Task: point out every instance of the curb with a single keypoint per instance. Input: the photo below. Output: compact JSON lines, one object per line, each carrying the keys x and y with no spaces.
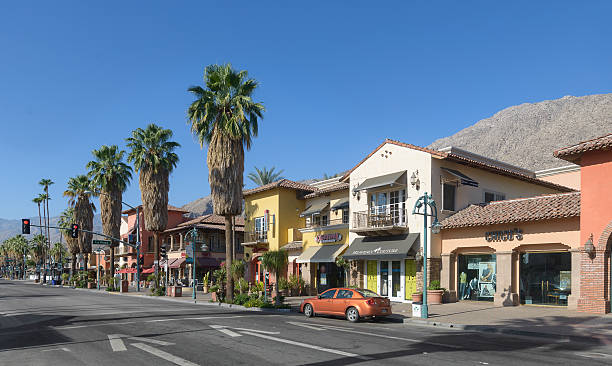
{"x":508,"y":331}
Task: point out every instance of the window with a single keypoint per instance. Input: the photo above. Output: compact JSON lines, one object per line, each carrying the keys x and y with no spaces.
{"x":493,"y":196}
{"x":260,"y":224}
{"x":317,"y":220}
{"x":308,"y":222}
{"x":344,"y":294}
{"x":324,"y":220}
{"x":327,"y":294}
{"x":345,"y":216}
{"x":448,"y":196}
{"x":368,"y":293}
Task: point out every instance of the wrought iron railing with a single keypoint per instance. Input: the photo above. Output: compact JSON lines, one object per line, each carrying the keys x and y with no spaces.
{"x":319,"y":224}
{"x":256,"y":236}
{"x":393,"y":215}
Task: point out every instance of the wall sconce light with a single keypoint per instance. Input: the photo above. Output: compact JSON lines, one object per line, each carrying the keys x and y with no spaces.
{"x":414,"y":180}
{"x":589,"y":248}
{"x":356,"y":192}
{"x":418,"y":256}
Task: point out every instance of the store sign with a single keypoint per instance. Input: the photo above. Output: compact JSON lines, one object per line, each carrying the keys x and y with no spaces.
{"x":328,"y":238}
{"x":504,"y":235}
{"x":376,"y":251}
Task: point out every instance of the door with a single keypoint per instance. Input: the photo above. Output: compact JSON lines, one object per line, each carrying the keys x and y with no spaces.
{"x":410,"y":274}
{"x":384,"y":278}
{"x":396,"y":287}
{"x":325,"y":302}
{"x":372,"y":275}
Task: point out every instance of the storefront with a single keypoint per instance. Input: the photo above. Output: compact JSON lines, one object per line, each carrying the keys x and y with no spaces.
{"x":389,"y":267}
{"x":522,"y":251}
{"x":321,"y":261}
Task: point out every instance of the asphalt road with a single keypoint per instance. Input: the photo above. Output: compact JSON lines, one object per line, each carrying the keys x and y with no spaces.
{"x":61,"y":326}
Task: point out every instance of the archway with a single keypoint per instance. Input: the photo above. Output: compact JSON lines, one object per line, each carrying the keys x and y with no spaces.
{"x":604,"y":244}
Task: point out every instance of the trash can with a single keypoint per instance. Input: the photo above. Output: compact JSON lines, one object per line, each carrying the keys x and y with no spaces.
{"x":416,"y":309}
{"x":174,"y":291}
{"x":124,"y":286}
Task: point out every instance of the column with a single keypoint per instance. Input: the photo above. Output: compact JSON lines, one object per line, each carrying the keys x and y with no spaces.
{"x":572,"y":299}
{"x":447,"y":276}
{"x":182,"y":242}
{"x":505,"y":293}
{"x":593,"y":282}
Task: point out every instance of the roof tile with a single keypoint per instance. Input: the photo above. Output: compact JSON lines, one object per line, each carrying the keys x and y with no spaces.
{"x":573,"y":153}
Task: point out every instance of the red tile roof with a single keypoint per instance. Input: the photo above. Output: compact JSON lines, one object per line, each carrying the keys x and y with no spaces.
{"x":553,"y":206}
{"x":465,"y":161}
{"x":574,"y":152}
{"x":170,"y":208}
{"x":333,"y":188}
{"x":211,"y":219}
{"x":283,"y":183}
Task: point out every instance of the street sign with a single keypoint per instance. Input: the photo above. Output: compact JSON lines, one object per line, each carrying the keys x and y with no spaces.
{"x":102,"y":242}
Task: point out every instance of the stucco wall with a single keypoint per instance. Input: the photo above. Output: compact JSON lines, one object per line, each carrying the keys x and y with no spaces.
{"x":596,"y":194}
{"x":568,"y":179}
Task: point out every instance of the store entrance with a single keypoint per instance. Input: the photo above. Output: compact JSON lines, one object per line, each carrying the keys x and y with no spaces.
{"x":545,"y":278}
{"x":391,"y":285}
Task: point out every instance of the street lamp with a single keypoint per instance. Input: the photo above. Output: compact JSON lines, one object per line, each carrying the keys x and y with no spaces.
{"x":98,"y":252}
{"x":423,"y":202}
{"x":137,"y":237}
{"x":194,"y":234}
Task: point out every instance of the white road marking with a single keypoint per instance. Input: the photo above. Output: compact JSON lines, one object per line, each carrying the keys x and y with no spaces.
{"x":116,"y":343}
{"x":165,"y":355}
{"x":150,"y":340}
{"x":306,"y":326}
{"x":198,"y":318}
{"x":305,"y":345}
{"x":593,"y":355}
{"x":348,"y":330}
{"x":228,"y":332}
{"x":56,"y":349}
{"x":147,"y":321}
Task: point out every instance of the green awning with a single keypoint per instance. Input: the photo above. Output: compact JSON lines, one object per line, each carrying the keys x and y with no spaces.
{"x":315,"y":209}
{"x":340,"y":204}
{"x":381,"y":181}
{"x":383,"y":247}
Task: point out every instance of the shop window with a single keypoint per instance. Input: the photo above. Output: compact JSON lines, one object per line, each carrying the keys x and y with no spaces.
{"x":448,"y":196}
{"x":316,"y":220}
{"x":477,"y":277}
{"x":545,"y":278}
{"x":490,"y":196}
{"x":324,"y":220}
{"x":345,"y":216}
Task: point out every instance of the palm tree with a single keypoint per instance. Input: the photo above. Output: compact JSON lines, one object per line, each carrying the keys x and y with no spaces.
{"x":111,"y":175}
{"x":275,"y":261}
{"x":37,"y":249}
{"x":65,"y":220}
{"x":79,"y":192}
{"x":38,"y":200}
{"x":153,"y":156}
{"x":224,"y":116}
{"x":20,"y":247}
{"x":265,"y":176}
{"x":45,"y":183}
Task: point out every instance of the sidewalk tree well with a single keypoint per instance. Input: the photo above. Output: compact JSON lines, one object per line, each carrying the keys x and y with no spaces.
{"x":153,"y":156}
{"x":275,"y":261}
{"x":225,"y":117}
{"x":111,"y":176}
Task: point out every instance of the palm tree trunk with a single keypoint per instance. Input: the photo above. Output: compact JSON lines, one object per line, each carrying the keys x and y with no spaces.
{"x":276,"y":299}
{"x":156,"y":255}
{"x":73,"y":264}
{"x":48,"y":224}
{"x":229,"y":289}
{"x":44,"y":251}
{"x":112,"y":261}
{"x":39,"y":219}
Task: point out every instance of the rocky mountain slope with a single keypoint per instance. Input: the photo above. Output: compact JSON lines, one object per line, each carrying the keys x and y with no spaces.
{"x":526,"y":135}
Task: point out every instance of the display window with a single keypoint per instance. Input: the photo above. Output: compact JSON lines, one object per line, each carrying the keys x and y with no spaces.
{"x":545,"y":278}
{"x":477,"y":277}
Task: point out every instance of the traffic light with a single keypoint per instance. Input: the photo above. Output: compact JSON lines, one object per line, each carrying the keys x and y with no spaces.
{"x":141,"y":260}
{"x":163,"y":252}
{"x":74,"y":232}
{"x":25,"y":226}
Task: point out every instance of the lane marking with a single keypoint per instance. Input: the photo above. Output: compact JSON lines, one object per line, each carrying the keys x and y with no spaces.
{"x":306,"y":326}
{"x":198,"y":318}
{"x":151,"y":340}
{"x":164,"y":355}
{"x":147,"y":321}
{"x":56,"y":349}
{"x":116,"y":343}
{"x":306,"y":345}
{"x":348,"y":330}
{"x":225,"y":331}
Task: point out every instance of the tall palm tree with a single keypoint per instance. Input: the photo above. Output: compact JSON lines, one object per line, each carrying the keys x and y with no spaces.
{"x":21,"y":247}
{"x":275,"y":261}
{"x":265,"y":176}
{"x":65,"y":220}
{"x":153,"y":156}
{"x":111,"y":175}
{"x":38,"y":200}
{"x":225,"y":117}
{"x":79,"y":192}
{"x":37,"y":249}
{"x":45,"y":183}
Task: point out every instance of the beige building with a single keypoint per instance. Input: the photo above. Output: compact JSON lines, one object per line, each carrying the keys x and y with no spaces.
{"x":386,"y":238}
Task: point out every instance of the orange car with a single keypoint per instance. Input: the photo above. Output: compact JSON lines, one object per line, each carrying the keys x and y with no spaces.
{"x":350,"y":303}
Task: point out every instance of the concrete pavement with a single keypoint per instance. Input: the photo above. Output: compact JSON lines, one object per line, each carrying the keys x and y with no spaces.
{"x":51,"y":326}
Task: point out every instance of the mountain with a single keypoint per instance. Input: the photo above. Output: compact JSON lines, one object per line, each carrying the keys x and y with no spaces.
{"x":199,"y":207}
{"x":10,"y":228}
{"x":526,"y":135}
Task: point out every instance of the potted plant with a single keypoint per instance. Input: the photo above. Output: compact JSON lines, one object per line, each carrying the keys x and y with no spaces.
{"x":65,"y":278}
{"x":213,"y":292}
{"x":434,"y":293}
{"x":283,"y":286}
{"x":206,"y":282}
{"x":418,"y":297}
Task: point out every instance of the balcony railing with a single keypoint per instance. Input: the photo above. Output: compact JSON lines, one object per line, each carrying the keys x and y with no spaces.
{"x":317,"y":225}
{"x":256,"y":236}
{"x":380,"y":220}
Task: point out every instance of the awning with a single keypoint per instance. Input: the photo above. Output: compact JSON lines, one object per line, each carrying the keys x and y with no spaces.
{"x":319,"y":254}
{"x":340,"y":204}
{"x":208,"y":262}
{"x":381,"y":181}
{"x":148,"y":270}
{"x":315,"y":209}
{"x":126,"y":270}
{"x":463,"y":179}
{"x":381,"y":247}
{"x":177,"y":263}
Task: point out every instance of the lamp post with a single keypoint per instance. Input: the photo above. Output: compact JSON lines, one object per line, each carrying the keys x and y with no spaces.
{"x":423,"y":202}
{"x":137,"y":237}
{"x":194,"y":234}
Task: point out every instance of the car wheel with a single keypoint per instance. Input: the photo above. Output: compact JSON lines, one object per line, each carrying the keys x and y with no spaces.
{"x":308,"y":311}
{"x":352,"y":314}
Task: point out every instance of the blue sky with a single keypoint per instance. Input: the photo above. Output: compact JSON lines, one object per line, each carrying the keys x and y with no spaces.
{"x":336,"y":77}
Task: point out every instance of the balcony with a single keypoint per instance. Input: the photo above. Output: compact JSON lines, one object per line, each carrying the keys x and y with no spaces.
{"x":255,"y":239}
{"x":318,"y":226}
{"x":381,"y":220}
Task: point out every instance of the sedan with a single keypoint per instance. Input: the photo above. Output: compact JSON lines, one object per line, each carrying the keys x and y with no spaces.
{"x":347,"y":302}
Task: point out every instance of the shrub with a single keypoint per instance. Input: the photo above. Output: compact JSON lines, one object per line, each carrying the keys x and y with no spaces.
{"x":283,"y":284}
{"x":242,"y":285}
{"x":159,"y":291}
{"x":296,"y":283}
{"x":259,"y":286}
{"x":241,"y":299}
{"x":151,"y":278}
{"x":434,"y":285}
{"x":65,"y":278}
{"x":214,"y":288}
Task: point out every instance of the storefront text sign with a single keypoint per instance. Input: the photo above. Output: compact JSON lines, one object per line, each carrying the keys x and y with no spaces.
{"x":328,"y":238}
{"x":378,"y":250}
{"x":504,"y":235}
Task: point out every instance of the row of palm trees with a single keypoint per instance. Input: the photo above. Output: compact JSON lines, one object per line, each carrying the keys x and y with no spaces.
{"x":16,"y":251}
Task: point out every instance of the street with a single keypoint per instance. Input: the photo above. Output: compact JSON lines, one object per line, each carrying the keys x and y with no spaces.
{"x":61,"y":326}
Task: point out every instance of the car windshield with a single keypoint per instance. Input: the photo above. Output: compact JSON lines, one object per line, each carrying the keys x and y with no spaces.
{"x":367,"y":293}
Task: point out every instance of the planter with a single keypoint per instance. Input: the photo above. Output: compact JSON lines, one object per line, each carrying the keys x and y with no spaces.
{"x":434,"y":296}
{"x":418,"y":297}
{"x":174,"y":291}
{"x":214,"y":296}
{"x":124,"y":286}
{"x":205,"y":289}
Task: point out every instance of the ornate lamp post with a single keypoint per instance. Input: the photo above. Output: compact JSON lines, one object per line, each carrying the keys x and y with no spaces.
{"x":204,"y":248}
{"x":423,"y":202}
